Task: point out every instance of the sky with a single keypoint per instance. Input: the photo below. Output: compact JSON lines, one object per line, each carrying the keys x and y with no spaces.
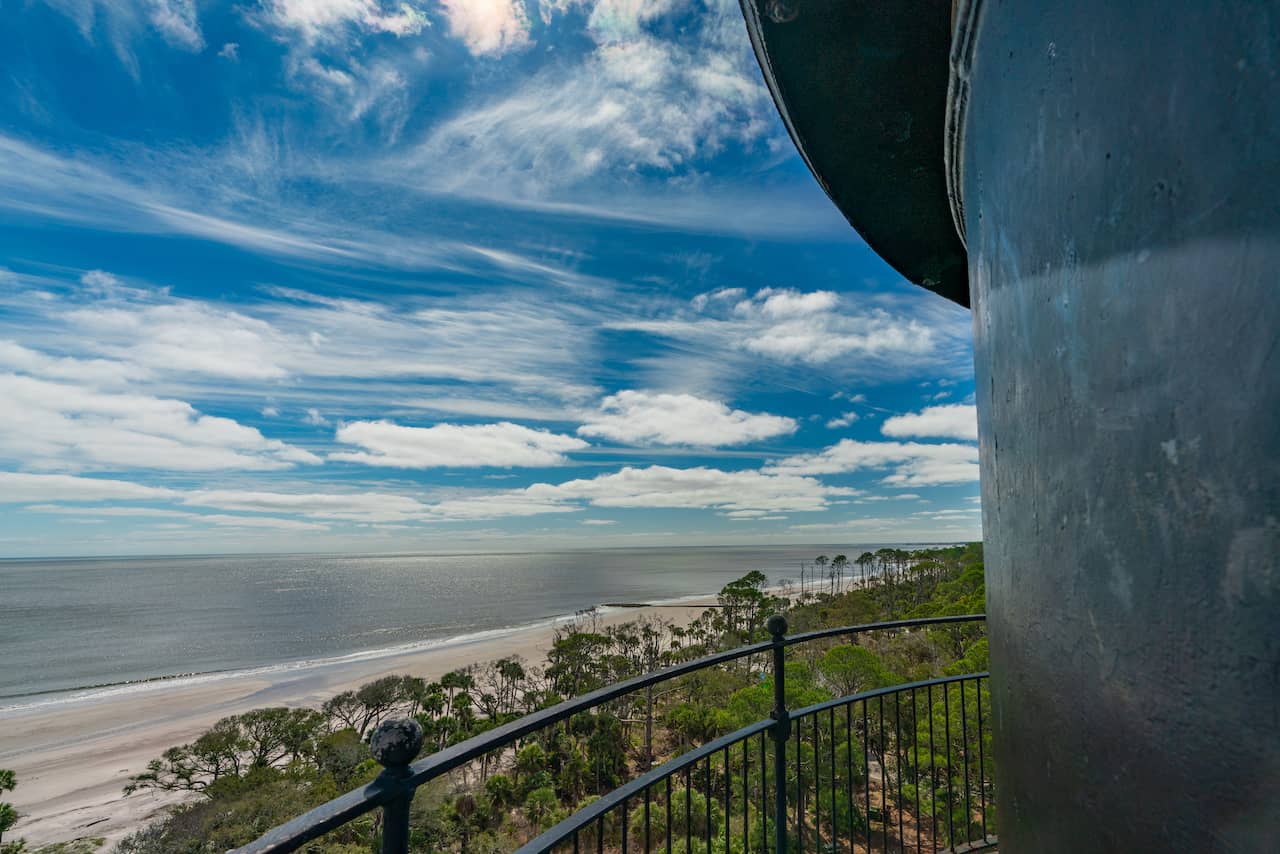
{"x":457,"y":275}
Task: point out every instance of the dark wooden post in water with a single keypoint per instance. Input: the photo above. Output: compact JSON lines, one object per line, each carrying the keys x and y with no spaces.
{"x":1099,"y":180}
{"x":777,"y":626}
{"x":395,"y":744}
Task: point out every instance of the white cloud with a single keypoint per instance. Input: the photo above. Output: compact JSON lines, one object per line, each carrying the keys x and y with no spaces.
{"x":231,"y":51}
{"x":913,"y":463}
{"x":176,"y":21}
{"x":48,"y":425}
{"x":701,"y":487}
{"x":643,"y":418}
{"x":314,"y":418}
{"x":949,"y":421}
{"x":622,"y":20}
{"x":815,"y":328}
{"x":598,"y":522}
{"x":700,"y":301}
{"x":501,"y":445}
{"x":99,"y":371}
{"x":487,"y":27}
{"x":658,"y":487}
{"x":614,"y":114}
{"x":844,"y":420}
{"x":524,"y":345}
{"x":328,"y":18}
{"x":21,"y":487}
{"x":345,"y":506}
{"x":219,"y":519}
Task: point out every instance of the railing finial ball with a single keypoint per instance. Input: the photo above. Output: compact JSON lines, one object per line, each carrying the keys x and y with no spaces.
{"x":395,"y":743}
{"x":777,"y":625}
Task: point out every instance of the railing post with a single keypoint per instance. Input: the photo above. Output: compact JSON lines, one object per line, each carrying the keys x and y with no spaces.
{"x":777,"y":626}
{"x":395,"y":744}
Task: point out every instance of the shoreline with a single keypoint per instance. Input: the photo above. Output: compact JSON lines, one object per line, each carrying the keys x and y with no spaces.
{"x":74,"y":751}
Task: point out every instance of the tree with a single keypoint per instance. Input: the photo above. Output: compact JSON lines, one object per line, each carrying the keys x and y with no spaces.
{"x":852,"y":669}
{"x":838,"y":564}
{"x":822,"y":561}
{"x":8,"y":815}
{"x":234,"y":747}
{"x":539,"y":803}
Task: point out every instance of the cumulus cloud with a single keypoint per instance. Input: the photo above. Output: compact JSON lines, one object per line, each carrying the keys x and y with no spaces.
{"x":51,"y":425}
{"x":501,"y":445}
{"x":913,"y":463}
{"x":644,"y":418}
{"x":843,"y":420}
{"x":487,"y":27}
{"x":949,"y":421}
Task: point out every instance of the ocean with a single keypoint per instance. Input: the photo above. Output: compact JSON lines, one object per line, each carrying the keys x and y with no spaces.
{"x":77,"y":624}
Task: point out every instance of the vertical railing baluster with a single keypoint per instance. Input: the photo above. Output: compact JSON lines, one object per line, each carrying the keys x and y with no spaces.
{"x":746,"y":795}
{"x":706,"y":797}
{"x":817,"y":783}
{"x":884,"y":780}
{"x":951,"y":796}
{"x":668,"y":814}
{"x":982,"y":765}
{"x":394,"y":744}
{"x":915,"y":762}
{"x":964,"y":742}
{"x":728,"y":784}
{"x":933,"y":775}
{"x":897,"y":748}
{"x":866,"y":771}
{"x":624,"y":826}
{"x":849,"y":768}
{"x":831,"y":726}
{"x":777,"y":626}
{"x":647,"y":798}
{"x":764,"y":798}
{"x":688,"y":810}
{"x":800,"y":792}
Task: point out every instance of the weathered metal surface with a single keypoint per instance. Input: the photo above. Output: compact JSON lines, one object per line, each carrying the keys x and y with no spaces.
{"x":862,"y":86}
{"x":1121,"y":169}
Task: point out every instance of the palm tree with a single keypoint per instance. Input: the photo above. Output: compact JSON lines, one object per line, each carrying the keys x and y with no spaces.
{"x":822,"y":561}
{"x":838,"y":563}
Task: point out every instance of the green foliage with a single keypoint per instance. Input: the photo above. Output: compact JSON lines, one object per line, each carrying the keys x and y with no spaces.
{"x":8,"y":815}
{"x":539,"y":803}
{"x":853,"y":669}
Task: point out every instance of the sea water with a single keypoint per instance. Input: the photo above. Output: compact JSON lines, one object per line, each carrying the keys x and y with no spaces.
{"x":76,"y":624}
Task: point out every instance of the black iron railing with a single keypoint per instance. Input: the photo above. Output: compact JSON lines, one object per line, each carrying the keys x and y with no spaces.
{"x":904,"y":768}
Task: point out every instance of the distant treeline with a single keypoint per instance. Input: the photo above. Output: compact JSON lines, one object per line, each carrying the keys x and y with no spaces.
{"x":259,"y":769}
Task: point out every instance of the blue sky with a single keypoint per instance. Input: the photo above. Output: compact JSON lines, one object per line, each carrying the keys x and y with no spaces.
{"x":292,"y":275}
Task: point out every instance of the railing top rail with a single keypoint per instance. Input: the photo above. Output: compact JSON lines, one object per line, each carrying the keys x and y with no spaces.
{"x":322,"y":819}
{"x":550,"y":838}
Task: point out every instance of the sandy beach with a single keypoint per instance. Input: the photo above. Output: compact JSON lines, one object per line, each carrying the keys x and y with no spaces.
{"x":74,"y":756}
